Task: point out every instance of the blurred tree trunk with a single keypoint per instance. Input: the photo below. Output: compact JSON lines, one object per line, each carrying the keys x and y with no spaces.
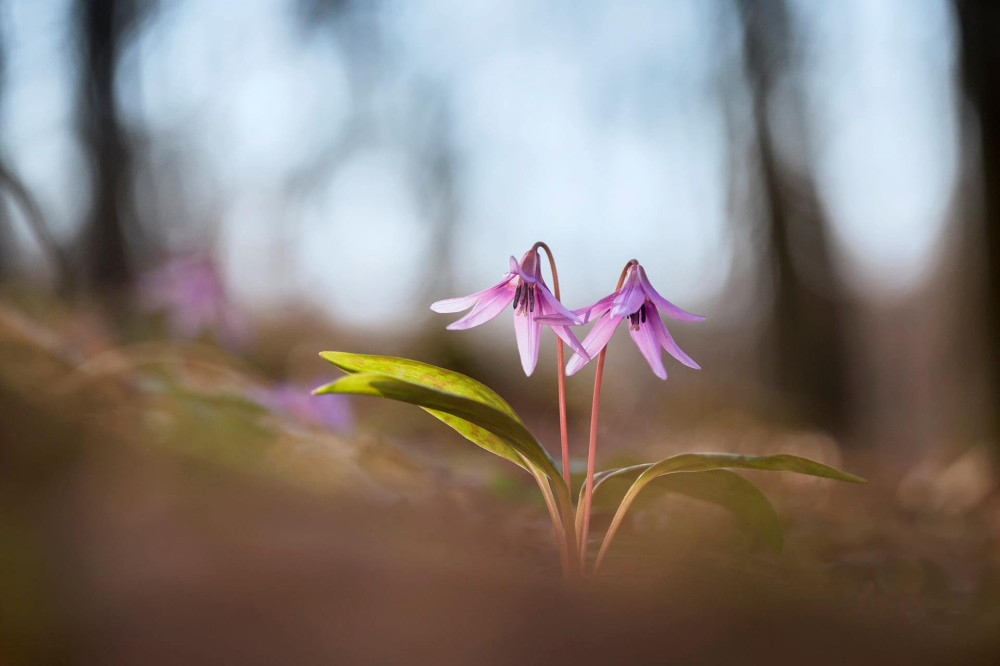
{"x":804,"y":337}
{"x":102,"y":27}
{"x":979,"y":49}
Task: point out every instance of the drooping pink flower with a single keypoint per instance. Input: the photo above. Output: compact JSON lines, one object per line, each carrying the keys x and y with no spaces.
{"x":523,"y":285}
{"x":638,"y":302}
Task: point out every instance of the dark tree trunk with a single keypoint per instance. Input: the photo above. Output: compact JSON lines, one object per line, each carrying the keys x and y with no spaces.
{"x":979,"y":48}
{"x":103,"y":25}
{"x":805,"y":336}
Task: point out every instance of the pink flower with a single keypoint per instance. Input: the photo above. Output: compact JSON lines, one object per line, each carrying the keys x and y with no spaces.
{"x":523,"y":285}
{"x":301,"y":405}
{"x":190,"y":290}
{"x":637,"y":301}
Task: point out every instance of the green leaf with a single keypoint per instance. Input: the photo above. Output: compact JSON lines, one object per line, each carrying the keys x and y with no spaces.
{"x":728,"y":489}
{"x":699,"y":462}
{"x":753,"y":511}
{"x":469,"y":407}
{"x":696,"y":462}
{"x":422,"y":374}
{"x":483,"y":424}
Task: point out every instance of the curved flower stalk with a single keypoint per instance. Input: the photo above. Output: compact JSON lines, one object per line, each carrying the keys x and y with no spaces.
{"x":637,"y":301}
{"x":634,"y":299}
{"x":523,"y":286}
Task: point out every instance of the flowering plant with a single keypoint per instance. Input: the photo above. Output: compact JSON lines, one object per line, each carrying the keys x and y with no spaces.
{"x":480,"y":415}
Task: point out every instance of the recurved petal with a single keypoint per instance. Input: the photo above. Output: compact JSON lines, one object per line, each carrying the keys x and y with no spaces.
{"x":488,"y":307}
{"x":646,"y":340}
{"x":515,"y":267}
{"x":663,"y":304}
{"x":528,"y":335}
{"x":667,"y":341}
{"x":551,"y":307}
{"x":629,"y":297}
{"x":592,"y":312}
{"x":466,"y":302}
{"x":594,"y":342}
{"x":570,"y":339}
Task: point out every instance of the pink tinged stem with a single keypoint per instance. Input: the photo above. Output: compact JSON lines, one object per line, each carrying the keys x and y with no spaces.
{"x":594,"y":407}
{"x":566,"y":503}
{"x":560,"y":331}
{"x":563,"y":429}
{"x":591,"y":460}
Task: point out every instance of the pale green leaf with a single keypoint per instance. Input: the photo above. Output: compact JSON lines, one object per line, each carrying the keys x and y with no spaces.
{"x":509,"y":436}
{"x":422,"y":374}
{"x":751,"y":508}
{"x":699,"y":462}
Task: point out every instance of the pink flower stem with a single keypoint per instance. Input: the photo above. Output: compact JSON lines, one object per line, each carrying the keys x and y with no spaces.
{"x":592,"y":448}
{"x":591,"y":459}
{"x":561,"y":376}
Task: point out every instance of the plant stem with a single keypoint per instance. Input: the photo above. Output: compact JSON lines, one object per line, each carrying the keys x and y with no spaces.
{"x":591,"y":459}
{"x":561,"y":375}
{"x":592,"y":447}
{"x":613,"y":529}
{"x":557,"y":514}
{"x":565,"y":501}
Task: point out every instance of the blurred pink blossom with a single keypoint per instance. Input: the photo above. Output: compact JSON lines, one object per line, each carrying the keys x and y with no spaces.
{"x":332,"y":412}
{"x":190,"y":291}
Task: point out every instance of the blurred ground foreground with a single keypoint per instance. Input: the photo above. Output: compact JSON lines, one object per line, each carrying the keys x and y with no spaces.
{"x":150,"y":513}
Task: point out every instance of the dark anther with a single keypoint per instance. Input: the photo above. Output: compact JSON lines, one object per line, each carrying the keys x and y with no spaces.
{"x":531,"y":298}
{"x":517,"y":296}
{"x":642,"y":311}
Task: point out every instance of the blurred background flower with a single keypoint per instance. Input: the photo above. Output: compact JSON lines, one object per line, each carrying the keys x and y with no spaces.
{"x":190,"y":292}
{"x":298,"y":403}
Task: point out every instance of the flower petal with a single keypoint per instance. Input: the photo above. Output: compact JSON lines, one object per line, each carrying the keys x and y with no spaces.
{"x":594,"y":342}
{"x":486,"y":309}
{"x":550,"y":306}
{"x":528,"y":335}
{"x":646,"y":340}
{"x":466,"y":302}
{"x":630,"y":297}
{"x":516,"y":268}
{"x":567,"y":335}
{"x":667,"y":341}
{"x":663,"y":304}
{"x":594,"y":311}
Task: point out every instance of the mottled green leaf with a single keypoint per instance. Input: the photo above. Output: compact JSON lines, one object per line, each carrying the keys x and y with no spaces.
{"x":507,"y":435}
{"x":422,"y":374}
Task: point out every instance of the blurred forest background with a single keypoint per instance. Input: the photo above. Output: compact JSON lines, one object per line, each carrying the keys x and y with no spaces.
{"x":265,"y":179}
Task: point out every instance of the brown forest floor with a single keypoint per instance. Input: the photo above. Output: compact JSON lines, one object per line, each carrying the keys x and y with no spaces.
{"x":143,"y":521}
